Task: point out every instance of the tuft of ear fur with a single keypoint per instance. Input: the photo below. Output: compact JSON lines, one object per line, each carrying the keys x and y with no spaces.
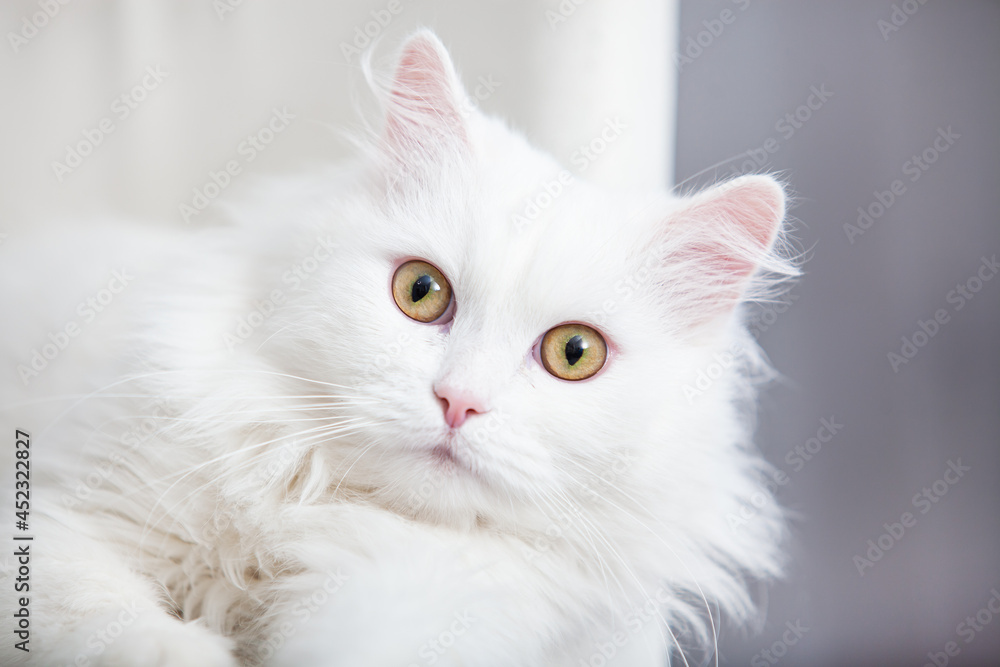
{"x":424,"y":109}
{"x":718,"y":241}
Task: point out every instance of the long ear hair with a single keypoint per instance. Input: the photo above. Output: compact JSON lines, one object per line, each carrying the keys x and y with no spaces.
{"x":422,"y":105}
{"x":723,"y":246}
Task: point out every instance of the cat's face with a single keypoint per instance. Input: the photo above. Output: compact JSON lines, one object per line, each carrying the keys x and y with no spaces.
{"x":500,"y":362}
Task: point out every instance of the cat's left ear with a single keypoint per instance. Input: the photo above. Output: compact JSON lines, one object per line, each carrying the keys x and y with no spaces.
{"x":717,"y":240}
{"x":426,"y":106}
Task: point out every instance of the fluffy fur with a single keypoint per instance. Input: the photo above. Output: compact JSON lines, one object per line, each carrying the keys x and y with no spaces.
{"x":263,"y":433}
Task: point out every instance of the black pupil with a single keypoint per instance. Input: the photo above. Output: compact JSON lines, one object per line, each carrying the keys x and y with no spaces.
{"x":422,"y":286}
{"x":575,"y":347}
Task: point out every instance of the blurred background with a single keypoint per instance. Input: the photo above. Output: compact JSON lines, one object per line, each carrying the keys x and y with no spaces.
{"x":881,"y":116}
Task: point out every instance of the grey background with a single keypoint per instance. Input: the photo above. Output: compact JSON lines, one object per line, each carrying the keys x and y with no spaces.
{"x":856,"y":301}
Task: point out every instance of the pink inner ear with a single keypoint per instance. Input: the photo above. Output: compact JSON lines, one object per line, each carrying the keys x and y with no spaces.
{"x":718,"y":241}
{"x":423,"y":104}
{"x":742,"y":219}
{"x":758,"y":206}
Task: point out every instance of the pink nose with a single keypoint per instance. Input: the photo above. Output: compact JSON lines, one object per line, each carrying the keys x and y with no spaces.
{"x":458,"y":405}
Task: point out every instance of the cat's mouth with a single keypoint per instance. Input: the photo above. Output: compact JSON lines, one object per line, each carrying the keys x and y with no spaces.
{"x":445,"y":455}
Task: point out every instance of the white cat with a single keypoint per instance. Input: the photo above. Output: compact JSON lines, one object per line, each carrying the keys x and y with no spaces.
{"x":381,"y":420}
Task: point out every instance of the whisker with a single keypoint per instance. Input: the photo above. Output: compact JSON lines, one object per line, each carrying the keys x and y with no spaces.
{"x":670,"y":548}
{"x":318,"y":434}
{"x":266,"y":340}
{"x":243,"y":450}
{"x":357,"y":458}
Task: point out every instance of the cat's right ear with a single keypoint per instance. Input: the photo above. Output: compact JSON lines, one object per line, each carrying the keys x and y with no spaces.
{"x":716,"y":242}
{"x":426,"y":105}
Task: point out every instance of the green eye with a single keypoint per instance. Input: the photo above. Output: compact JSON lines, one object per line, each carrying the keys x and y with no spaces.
{"x":573,"y":351}
{"x":421,"y":291}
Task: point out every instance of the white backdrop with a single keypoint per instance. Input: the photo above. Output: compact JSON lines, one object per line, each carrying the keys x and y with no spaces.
{"x":127,"y":106}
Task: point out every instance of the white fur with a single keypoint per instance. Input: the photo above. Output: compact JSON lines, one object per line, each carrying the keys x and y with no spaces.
{"x":287,"y":499}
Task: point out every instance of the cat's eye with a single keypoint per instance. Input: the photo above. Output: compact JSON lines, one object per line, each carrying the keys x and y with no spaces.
{"x":573,"y":351}
{"x":421,"y":291}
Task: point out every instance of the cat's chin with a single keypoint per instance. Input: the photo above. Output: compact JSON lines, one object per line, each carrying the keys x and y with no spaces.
{"x":447,"y":489}
{"x":444,"y":457}
{"x":457,"y":503}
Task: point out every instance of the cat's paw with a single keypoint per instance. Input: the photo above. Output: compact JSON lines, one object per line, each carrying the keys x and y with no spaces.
{"x":154,"y":639}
